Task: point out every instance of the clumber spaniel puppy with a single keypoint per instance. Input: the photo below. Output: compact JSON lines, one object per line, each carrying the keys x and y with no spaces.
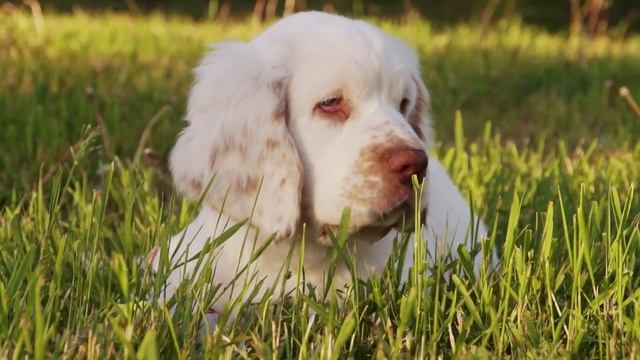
{"x":317,"y":114}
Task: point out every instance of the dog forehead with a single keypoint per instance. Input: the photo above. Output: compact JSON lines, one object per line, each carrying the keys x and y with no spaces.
{"x":314,"y":36}
{"x":318,"y":26}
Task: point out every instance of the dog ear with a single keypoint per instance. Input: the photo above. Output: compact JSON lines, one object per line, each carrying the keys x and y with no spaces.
{"x":420,"y":114}
{"x":237,"y":138}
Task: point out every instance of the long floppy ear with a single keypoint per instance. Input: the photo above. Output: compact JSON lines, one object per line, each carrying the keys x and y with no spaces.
{"x":237,"y":135}
{"x":420,"y":114}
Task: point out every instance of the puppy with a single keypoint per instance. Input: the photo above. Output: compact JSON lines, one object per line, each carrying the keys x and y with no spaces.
{"x":317,"y":114}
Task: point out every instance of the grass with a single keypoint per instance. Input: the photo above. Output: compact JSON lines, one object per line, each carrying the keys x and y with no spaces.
{"x":546,"y":148}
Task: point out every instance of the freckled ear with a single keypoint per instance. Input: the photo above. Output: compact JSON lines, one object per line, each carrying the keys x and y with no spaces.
{"x":420,"y":115}
{"x":237,"y":134}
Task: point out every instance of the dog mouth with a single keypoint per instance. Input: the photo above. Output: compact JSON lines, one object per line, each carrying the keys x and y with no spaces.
{"x":399,"y":216}
{"x":391,"y":217}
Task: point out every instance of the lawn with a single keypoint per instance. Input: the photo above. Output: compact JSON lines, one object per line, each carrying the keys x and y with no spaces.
{"x":530,"y":125}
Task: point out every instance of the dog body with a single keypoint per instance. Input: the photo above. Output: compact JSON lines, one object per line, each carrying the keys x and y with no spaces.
{"x":317,"y":114}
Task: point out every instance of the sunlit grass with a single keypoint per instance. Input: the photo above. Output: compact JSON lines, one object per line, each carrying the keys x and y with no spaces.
{"x":553,"y":174}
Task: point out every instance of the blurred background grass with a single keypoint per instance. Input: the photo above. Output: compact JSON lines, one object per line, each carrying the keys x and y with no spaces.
{"x":550,"y":14}
{"x":118,"y":63}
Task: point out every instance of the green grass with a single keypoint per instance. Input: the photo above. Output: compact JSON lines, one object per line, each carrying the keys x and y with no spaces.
{"x":547,"y":149}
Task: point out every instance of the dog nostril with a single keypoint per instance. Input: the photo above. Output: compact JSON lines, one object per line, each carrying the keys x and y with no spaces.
{"x":408,"y":162}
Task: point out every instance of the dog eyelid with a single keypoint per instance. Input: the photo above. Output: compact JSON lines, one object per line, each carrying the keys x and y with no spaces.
{"x":334,"y":107}
{"x":331,"y":100}
{"x":330,"y":105}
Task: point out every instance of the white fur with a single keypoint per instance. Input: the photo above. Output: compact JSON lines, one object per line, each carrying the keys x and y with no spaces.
{"x":252,"y":106}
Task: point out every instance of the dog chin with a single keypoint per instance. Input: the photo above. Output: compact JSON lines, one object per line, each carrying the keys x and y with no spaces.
{"x":391,"y":217}
{"x":400,"y":216}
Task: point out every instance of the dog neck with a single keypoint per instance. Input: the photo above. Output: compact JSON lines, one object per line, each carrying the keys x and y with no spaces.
{"x":235,"y":260}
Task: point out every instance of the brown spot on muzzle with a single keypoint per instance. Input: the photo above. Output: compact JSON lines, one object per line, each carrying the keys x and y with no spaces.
{"x":382,"y":187}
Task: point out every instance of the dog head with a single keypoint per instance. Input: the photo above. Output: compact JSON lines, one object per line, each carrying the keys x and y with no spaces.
{"x":316,"y":114}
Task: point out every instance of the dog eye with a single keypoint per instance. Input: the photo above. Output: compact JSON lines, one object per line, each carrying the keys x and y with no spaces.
{"x":330,"y":105}
{"x":403,"y":106}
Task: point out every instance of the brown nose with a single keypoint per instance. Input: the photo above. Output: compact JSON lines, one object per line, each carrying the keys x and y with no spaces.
{"x":408,"y":162}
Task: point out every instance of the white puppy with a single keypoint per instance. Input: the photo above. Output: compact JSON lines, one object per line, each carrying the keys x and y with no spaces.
{"x":317,"y":114}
